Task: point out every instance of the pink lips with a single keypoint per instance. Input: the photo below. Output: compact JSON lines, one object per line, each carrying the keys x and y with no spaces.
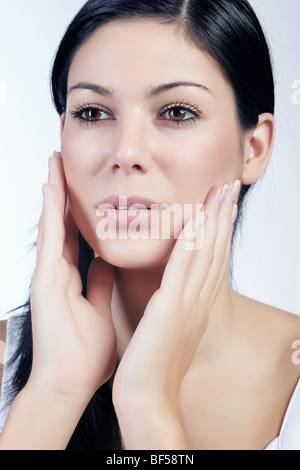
{"x":124,"y":209}
{"x":128,"y":202}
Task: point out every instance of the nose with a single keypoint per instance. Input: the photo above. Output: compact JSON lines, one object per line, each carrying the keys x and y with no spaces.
{"x":131,"y":153}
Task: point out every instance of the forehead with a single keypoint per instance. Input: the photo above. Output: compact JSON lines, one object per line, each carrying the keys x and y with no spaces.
{"x":142,"y":52}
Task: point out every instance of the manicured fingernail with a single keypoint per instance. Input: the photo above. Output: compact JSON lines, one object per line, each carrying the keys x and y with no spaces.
{"x":222,"y":194}
{"x":235,"y":190}
{"x":234,"y":213}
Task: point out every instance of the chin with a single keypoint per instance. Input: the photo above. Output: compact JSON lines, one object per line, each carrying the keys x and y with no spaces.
{"x":135,"y":254}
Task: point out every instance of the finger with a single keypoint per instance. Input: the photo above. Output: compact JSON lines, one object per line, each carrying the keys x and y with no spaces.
{"x":183,"y":254}
{"x":226,"y":223}
{"x":57,"y":176}
{"x":220,"y":263}
{"x":71,"y":245}
{"x":175,"y":270}
{"x":203,"y":259}
{"x":222,"y":274}
{"x":52,"y":232}
{"x":100,"y":283}
{"x":51,"y":228}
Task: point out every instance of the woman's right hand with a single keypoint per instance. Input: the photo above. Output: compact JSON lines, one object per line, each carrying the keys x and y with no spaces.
{"x":74,"y":339}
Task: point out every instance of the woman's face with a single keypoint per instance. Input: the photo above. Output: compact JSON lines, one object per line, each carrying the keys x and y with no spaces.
{"x":151,"y":116}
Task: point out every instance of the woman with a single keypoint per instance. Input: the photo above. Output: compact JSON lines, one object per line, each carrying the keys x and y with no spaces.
{"x":138,"y":341}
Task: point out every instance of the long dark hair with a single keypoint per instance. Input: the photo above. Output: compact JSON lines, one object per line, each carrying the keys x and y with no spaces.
{"x":231,"y":33}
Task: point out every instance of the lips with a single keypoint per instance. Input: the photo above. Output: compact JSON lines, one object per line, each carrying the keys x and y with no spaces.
{"x":122,"y":210}
{"x":120,"y":203}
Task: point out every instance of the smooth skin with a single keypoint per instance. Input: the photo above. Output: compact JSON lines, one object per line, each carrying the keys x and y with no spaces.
{"x":205,"y":367}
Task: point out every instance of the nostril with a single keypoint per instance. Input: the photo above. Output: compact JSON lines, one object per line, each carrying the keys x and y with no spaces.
{"x":128,"y":168}
{"x":136,"y":167}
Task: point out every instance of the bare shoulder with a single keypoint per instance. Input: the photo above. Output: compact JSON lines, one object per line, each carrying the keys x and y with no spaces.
{"x":280,"y":330}
{"x":276,"y":334}
{"x":288,"y":340}
{"x":285,"y":326}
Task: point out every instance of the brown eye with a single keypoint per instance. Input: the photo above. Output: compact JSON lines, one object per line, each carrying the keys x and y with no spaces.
{"x":92,"y":114}
{"x":89,"y":115}
{"x":177,"y":114}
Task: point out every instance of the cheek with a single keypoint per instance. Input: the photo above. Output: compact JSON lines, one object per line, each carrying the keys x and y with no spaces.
{"x":79,"y":153}
{"x":206,"y":160}
{"x":72,"y":155}
{"x":76,"y":154}
{"x":83,"y":156}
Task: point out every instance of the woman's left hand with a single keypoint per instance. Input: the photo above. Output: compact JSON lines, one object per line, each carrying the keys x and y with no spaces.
{"x":147,"y":382}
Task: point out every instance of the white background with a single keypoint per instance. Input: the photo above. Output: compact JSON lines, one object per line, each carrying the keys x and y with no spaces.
{"x":267,"y":259}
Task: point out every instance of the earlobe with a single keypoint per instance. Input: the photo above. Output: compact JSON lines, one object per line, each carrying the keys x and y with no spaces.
{"x":258,"y":149}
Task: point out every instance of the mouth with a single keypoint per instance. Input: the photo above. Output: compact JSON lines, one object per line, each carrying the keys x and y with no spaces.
{"x":139,"y":217}
{"x":128,"y":203}
{"x":122,"y":210}
{"x":133,"y":207}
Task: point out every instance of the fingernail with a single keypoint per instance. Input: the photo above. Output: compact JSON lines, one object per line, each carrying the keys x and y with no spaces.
{"x":235,"y":190}
{"x":234,"y":213}
{"x":222,"y":194}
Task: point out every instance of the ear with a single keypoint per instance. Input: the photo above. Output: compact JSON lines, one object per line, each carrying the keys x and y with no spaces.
{"x":258,"y":149}
{"x":62,"y":123}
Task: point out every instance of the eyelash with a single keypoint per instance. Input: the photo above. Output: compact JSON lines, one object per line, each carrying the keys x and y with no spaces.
{"x":181,"y":105}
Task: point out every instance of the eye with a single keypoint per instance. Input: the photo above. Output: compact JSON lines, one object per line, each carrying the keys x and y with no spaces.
{"x":90,"y":114}
{"x":180,"y":113}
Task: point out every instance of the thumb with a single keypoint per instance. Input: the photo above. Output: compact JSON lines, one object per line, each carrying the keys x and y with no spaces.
{"x":100,"y":282}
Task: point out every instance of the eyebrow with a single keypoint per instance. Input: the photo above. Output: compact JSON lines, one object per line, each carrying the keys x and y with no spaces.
{"x":154,"y":91}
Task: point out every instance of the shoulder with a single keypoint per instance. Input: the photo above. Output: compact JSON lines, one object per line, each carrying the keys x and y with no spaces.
{"x":280,"y":324}
{"x":289,"y":342}
{"x":284,"y":326}
{"x":278,"y":343}
{"x":281,"y":330}
{"x":276,"y":335}
{"x":288,"y":377}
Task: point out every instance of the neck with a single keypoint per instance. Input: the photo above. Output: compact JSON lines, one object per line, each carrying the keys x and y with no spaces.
{"x":133,"y":290}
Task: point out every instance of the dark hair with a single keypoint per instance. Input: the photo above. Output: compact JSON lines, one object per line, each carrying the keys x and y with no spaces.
{"x":231,"y":33}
